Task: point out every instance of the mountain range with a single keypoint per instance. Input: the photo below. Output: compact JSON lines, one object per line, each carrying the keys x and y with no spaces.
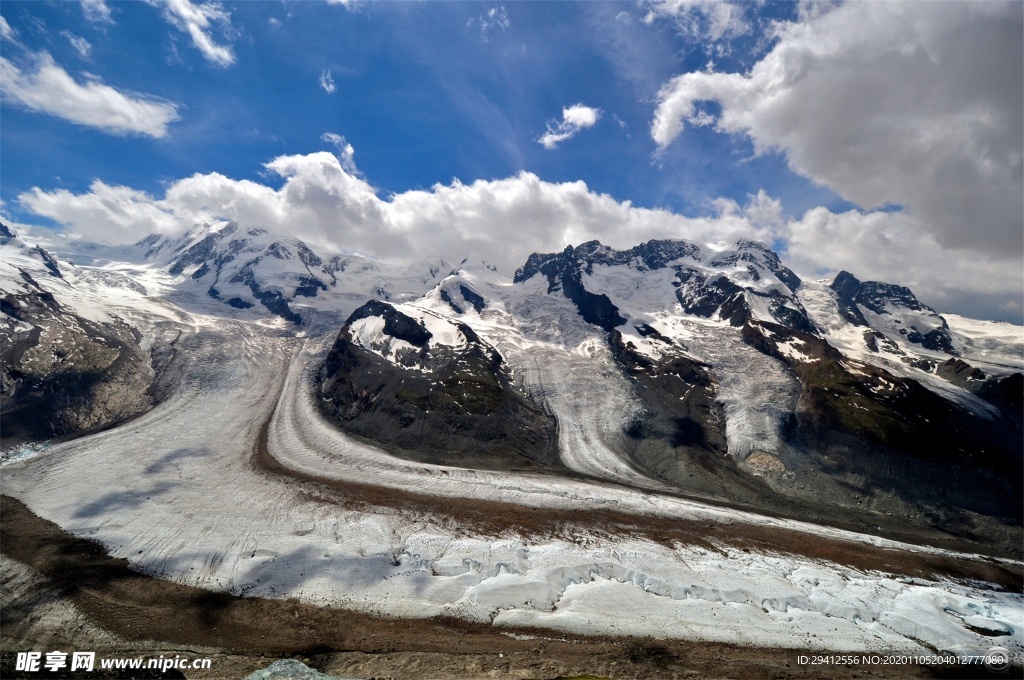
{"x":709,"y":370}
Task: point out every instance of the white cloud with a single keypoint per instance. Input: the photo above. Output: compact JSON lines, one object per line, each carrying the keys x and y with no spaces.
{"x":893,"y":247}
{"x":492,"y":21}
{"x":48,"y":88}
{"x":80,"y":44}
{"x":6,"y":32}
{"x":908,"y":104}
{"x":324,"y":201}
{"x":327,"y":82}
{"x":709,"y":20}
{"x":273,"y":21}
{"x":105,"y":212}
{"x":97,"y":11}
{"x":327,"y":203}
{"x":574,"y":118}
{"x":199,"y":21}
{"x":346,"y":153}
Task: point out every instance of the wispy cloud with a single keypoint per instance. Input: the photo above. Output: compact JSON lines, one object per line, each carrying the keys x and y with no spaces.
{"x":48,"y":88}
{"x":97,"y":11}
{"x":346,"y":154}
{"x":6,"y":32}
{"x":199,"y":21}
{"x":574,"y":118}
{"x":327,"y":82}
{"x":494,"y":20}
{"x":708,"y":20}
{"x":81,"y":45}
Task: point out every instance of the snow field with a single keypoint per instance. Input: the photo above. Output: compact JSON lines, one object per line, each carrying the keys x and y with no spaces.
{"x":175,"y":493}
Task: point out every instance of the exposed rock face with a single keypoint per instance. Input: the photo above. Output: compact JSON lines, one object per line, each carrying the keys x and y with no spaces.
{"x":62,"y":374}
{"x":564,"y":273}
{"x":1007,"y":392}
{"x":680,"y":435}
{"x":730,"y":283}
{"x":679,"y":393}
{"x":923,"y":326}
{"x":855,"y":426}
{"x":880,"y":422}
{"x":443,"y":396}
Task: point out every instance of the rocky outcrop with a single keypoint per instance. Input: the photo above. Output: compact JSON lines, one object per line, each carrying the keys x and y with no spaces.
{"x":880,"y":423}
{"x":730,"y":283}
{"x":390,"y":380}
{"x":679,"y":434}
{"x":63,"y":374}
{"x":564,"y":273}
{"x":925,"y":327}
{"x":1006,"y":392}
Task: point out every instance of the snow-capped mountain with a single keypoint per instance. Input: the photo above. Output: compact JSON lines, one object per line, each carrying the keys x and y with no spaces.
{"x":253,"y":268}
{"x":427,"y":386}
{"x":725,"y":374}
{"x":890,"y":310}
{"x":706,"y":369}
{"x":743,"y":281}
{"x":68,"y":364}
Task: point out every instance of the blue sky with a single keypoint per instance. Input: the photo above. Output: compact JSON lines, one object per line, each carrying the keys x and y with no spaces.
{"x":425,"y":92}
{"x":438,"y":92}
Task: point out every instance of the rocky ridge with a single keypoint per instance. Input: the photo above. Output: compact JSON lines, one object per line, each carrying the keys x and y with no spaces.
{"x":65,"y":370}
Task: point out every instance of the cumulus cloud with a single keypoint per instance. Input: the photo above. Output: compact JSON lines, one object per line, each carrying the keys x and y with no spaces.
{"x":574,"y":118}
{"x":81,"y":45}
{"x":48,"y":88}
{"x":892,"y":246}
{"x":904,"y":104}
{"x":97,"y":11}
{"x":324,"y":201}
{"x":710,"y":20}
{"x":104,"y":212}
{"x":199,"y":21}
{"x":327,"y":82}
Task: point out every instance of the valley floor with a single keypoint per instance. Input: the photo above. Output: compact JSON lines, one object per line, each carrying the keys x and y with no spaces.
{"x":63,"y":592}
{"x":234,"y":486}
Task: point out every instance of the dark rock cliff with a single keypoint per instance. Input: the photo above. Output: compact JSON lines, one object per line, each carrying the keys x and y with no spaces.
{"x":439,"y":404}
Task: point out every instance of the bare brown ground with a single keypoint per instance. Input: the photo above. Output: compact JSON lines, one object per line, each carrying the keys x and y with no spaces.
{"x":144,"y":614}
